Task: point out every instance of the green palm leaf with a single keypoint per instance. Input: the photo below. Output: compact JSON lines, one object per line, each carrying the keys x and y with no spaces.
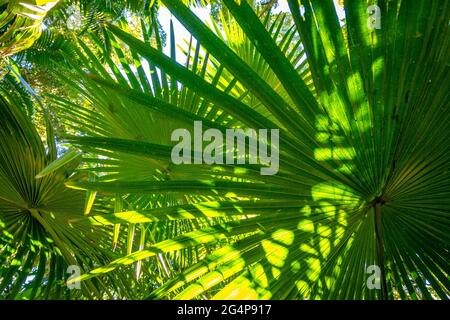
{"x":20,"y":24}
{"x":38,"y":241}
{"x":364,"y":153}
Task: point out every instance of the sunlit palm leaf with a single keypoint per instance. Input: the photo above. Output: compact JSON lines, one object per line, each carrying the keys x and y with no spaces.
{"x":363,"y":157}
{"x":20,"y":24}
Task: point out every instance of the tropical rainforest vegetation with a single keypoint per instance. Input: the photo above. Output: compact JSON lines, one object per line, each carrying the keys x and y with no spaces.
{"x":92,"y":207}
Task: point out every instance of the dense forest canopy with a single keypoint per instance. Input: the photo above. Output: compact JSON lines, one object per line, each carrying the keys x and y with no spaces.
{"x":230,"y":149}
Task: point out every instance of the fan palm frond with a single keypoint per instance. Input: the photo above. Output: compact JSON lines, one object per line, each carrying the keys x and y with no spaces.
{"x":363,"y":177}
{"x":20,"y":24}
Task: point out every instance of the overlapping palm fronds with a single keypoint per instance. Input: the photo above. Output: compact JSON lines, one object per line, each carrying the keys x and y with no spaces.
{"x":20,"y":24}
{"x":39,"y":245}
{"x":363,"y":181}
{"x":363,"y":178}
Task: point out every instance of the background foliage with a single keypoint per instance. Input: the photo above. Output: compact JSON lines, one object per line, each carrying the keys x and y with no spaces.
{"x":86,"y":178}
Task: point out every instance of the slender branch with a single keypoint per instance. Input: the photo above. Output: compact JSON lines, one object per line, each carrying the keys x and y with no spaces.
{"x":12,"y":203}
{"x":380,"y":249}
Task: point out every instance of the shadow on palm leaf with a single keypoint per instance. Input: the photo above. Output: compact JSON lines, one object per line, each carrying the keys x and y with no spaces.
{"x":347,"y":150}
